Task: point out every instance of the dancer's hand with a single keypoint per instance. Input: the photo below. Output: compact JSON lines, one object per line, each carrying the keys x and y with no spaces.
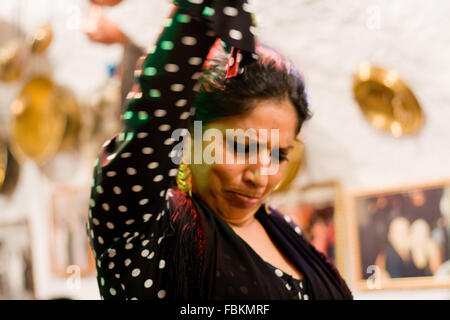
{"x":109,"y":3}
{"x":99,"y":28}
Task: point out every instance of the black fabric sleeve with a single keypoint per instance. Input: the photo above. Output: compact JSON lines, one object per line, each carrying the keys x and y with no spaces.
{"x":135,"y":169}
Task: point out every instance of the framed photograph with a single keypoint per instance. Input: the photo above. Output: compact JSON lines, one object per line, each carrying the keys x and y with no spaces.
{"x":70,"y":249}
{"x":317,"y":210}
{"x":401,"y":236}
{"x":16,"y":268}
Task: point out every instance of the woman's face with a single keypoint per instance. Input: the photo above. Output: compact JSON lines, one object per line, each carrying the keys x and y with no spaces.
{"x":235,"y":190}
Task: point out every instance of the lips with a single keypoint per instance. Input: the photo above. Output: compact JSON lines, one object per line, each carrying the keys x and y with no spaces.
{"x":243,"y":199}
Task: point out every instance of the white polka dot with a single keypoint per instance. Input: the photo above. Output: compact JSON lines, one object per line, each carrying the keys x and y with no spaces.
{"x":181,"y":103}
{"x":129,"y":246}
{"x":164,"y":127}
{"x":117,"y":190}
{"x":195,"y":61}
{"x":301,"y":284}
{"x":147,"y":217}
{"x":287,"y":218}
{"x":247,"y":7}
{"x":210,"y":33}
{"x":162,"y":264}
{"x":111,"y":265}
{"x":298,"y":230}
{"x":169,"y":141}
{"x":126,"y":234}
{"x":131,"y":171}
{"x":278,"y":272}
{"x":135,"y":272}
{"x":160,"y":239}
{"x":109,"y":225}
{"x":112,"y":253}
{"x":128,"y":222}
{"x":136,"y":188}
{"x":171,"y":67}
{"x":230,"y":11}
{"x":112,"y":291}
{"x":185,"y":115}
{"x":158,"y":178}
{"x":148,"y":283}
{"x":105,"y":206}
{"x":111,"y":173}
{"x":161,"y":194}
{"x":153,"y":165}
{"x":111,"y":156}
{"x":306,"y":297}
{"x":117,"y":276}
{"x":196,"y":1}
{"x":145,"y":242}
{"x":142,"y":135}
{"x":134,"y":298}
{"x":147,"y":150}
{"x":95,"y":221}
{"x":125,"y":155}
{"x":173,"y":172}
{"x":122,"y":208}
{"x":288,"y":286}
{"x":196,"y":75}
{"x":162,"y":293}
{"x":100,"y":240}
{"x":253,"y":30}
{"x":160,"y":113}
{"x":177,"y":87}
{"x":197,"y":87}
{"x":188,"y":41}
{"x":300,"y":296}
{"x":145,"y":253}
{"x":99,"y":189}
{"x":151,"y":255}
{"x":143,"y":201}
{"x":127,"y":262}
{"x":235,"y":34}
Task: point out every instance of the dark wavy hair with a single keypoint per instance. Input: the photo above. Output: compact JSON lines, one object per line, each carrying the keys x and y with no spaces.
{"x":270,"y":77}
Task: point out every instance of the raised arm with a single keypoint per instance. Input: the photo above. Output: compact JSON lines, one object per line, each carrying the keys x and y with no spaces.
{"x":135,"y":168}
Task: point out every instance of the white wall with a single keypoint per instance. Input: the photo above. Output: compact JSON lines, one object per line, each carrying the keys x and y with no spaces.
{"x":327,"y":40}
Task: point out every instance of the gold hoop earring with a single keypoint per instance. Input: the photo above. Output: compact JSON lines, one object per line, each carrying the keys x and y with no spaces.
{"x":266,"y":207}
{"x":184,"y":178}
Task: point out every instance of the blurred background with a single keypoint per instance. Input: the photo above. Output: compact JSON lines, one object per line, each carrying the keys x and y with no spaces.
{"x":369,"y":185}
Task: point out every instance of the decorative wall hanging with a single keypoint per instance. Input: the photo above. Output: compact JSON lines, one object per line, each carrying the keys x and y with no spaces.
{"x":386,"y":101}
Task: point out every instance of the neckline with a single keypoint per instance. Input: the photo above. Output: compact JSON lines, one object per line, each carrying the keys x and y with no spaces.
{"x":257,"y":216}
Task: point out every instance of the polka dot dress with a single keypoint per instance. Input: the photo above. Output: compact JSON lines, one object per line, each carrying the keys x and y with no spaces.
{"x":298,"y":288}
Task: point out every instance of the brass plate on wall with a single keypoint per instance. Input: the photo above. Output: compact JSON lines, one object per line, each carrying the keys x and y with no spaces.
{"x":45,"y":118}
{"x":386,"y":101}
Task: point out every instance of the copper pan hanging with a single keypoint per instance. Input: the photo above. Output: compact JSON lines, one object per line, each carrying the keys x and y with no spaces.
{"x":45,"y":119}
{"x":386,"y":101}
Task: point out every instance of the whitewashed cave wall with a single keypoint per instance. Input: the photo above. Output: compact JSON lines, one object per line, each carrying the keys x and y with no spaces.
{"x":326,"y":39}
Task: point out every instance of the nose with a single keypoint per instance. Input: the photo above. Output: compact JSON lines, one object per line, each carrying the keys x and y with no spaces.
{"x":252,"y":175}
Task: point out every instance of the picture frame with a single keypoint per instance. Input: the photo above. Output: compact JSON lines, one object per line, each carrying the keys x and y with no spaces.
{"x":16,"y":261}
{"x":399,"y":236}
{"x":316,"y":208}
{"x":70,"y":248}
